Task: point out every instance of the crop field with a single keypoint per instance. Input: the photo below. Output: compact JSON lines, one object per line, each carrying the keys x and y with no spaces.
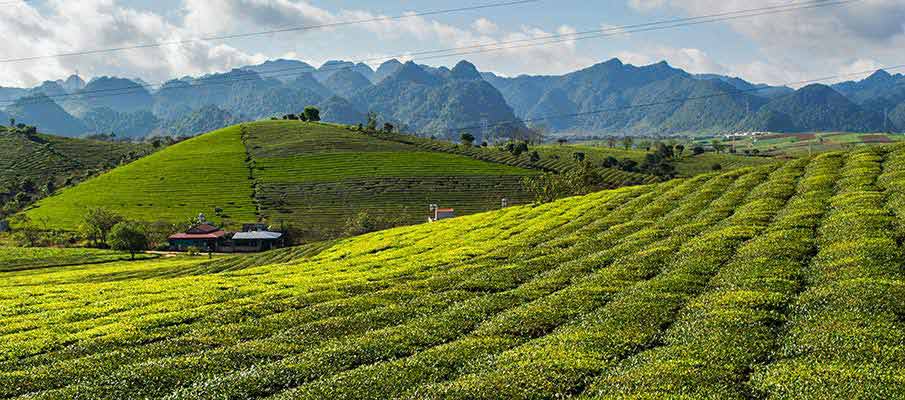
{"x":18,"y":258}
{"x":781,"y":281}
{"x":46,"y":156}
{"x":692,"y":165}
{"x":799,"y":144}
{"x":191,"y":177}
{"x":319,"y":175}
{"x":552,"y":159}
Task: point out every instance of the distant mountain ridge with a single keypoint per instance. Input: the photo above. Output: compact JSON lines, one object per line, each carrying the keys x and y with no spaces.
{"x":607,"y":98}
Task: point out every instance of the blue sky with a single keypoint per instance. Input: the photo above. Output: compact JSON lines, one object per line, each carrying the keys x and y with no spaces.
{"x":773,"y":49}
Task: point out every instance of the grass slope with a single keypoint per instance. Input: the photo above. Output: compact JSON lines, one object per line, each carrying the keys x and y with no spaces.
{"x":781,"y":281}
{"x":174,"y":184}
{"x":317,"y":176}
{"x":45,"y":157}
{"x":314,"y":175}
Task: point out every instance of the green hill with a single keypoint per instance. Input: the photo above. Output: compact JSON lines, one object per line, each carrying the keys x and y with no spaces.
{"x":314,"y":176}
{"x":174,"y":184}
{"x":40,"y":159}
{"x":782,"y":281}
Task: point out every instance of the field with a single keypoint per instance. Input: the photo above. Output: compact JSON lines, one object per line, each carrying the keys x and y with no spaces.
{"x":45,"y":156}
{"x":18,"y":259}
{"x":794,"y":145}
{"x":780,"y":281}
{"x":173,"y":185}
{"x":551,"y":158}
{"x":691,"y":165}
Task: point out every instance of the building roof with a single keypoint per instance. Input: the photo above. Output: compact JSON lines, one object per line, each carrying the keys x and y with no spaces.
{"x":257,"y":235}
{"x":202,"y":228}
{"x":198,"y":236}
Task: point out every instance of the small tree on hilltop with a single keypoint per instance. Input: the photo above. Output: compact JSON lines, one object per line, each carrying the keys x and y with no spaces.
{"x":128,"y":236}
{"x":312,"y":114}
{"x":467,"y":139}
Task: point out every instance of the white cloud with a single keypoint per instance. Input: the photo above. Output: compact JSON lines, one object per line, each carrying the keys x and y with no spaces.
{"x":690,"y":59}
{"x":485,"y":26}
{"x":810,"y":42}
{"x":97,"y":24}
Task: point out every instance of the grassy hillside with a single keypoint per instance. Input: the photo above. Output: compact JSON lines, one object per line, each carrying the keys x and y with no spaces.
{"x":692,"y":165}
{"x":801,"y":144}
{"x":174,"y":184}
{"x":45,"y":157}
{"x":317,"y":176}
{"x":550,"y":159}
{"x":781,"y":281}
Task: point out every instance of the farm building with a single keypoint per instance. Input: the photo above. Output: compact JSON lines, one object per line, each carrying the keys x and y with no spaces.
{"x":203,"y":236}
{"x":438,"y":213}
{"x":254,"y":241}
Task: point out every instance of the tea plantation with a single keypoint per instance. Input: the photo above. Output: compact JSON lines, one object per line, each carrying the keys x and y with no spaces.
{"x":782,"y":281}
{"x":174,"y":184}
{"x":44,"y":157}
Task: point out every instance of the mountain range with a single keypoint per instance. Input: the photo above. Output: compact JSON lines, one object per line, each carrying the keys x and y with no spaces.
{"x":607,"y":98}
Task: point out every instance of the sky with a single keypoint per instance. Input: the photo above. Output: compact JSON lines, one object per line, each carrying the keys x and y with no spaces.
{"x":775,"y":49}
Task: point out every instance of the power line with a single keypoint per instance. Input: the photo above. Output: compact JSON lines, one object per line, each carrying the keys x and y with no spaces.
{"x":482,"y":48}
{"x":273,"y":31}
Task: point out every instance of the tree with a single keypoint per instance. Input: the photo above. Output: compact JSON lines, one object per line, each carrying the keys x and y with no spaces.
{"x":578,"y":156}
{"x":611,"y":142}
{"x":718,"y":146}
{"x":98,"y":222}
{"x":372,"y":121}
{"x":535,"y":157}
{"x":128,"y":236}
{"x":697,"y":150}
{"x":679,"y":149}
{"x":562,"y":141}
{"x":716,"y":167}
{"x":312,"y":114}
{"x":467,"y":139}
{"x":388,"y":127}
{"x":627,"y":142}
{"x":519,"y":148}
{"x":549,"y":187}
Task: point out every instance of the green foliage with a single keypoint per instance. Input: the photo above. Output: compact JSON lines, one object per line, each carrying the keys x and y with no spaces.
{"x":776,"y":281}
{"x":128,"y":236}
{"x":312,"y":114}
{"x":98,"y":223}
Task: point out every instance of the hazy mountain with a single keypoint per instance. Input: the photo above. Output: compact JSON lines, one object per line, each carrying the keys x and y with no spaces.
{"x":609,"y":97}
{"x":118,"y":94}
{"x":306,"y":81}
{"x":881,"y":91}
{"x":205,"y":119}
{"x":124,"y":124}
{"x":754,"y":89}
{"x":52,"y":89}
{"x":284,"y":70}
{"x":814,"y":108}
{"x":346,"y":82}
{"x":4,"y":118}
{"x":386,"y":69}
{"x":425,"y":102}
{"x":9,"y":94}
{"x":73,"y":84}
{"x":340,"y":110}
{"x":41,"y":111}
